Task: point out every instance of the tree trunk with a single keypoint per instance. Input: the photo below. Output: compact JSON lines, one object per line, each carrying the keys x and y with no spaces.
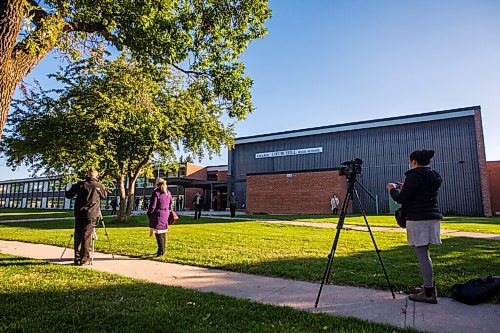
{"x":122,"y":212}
{"x":18,"y":58}
{"x":11,"y":14}
{"x":130,"y":195}
{"x":7,"y":88}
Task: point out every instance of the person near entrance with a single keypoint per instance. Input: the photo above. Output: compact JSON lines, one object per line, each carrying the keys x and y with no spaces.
{"x":197,"y":201}
{"x":232,"y":204}
{"x":87,"y":210}
{"x":335,"y":205}
{"x":181,"y":203}
{"x":114,"y":205}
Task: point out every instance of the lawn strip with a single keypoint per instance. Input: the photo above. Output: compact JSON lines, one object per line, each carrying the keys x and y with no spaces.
{"x":66,"y":298}
{"x":282,"y":250}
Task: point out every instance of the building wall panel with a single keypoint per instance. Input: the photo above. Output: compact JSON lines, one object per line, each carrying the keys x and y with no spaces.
{"x":385,"y":152}
{"x":494,"y":180}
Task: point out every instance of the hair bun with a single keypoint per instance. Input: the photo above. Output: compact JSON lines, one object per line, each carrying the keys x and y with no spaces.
{"x":428,"y":153}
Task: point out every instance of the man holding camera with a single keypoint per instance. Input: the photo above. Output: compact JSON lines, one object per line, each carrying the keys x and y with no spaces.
{"x":87,"y":210}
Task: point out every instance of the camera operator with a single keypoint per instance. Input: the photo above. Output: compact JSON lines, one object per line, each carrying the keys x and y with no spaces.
{"x":87,"y":210}
{"x":418,"y":199}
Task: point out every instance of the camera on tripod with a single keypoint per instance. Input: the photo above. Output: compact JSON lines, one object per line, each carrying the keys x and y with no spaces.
{"x":350,"y":168}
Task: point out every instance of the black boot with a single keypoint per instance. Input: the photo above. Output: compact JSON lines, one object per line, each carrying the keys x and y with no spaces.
{"x":159,"y":242}
{"x":160,"y":239}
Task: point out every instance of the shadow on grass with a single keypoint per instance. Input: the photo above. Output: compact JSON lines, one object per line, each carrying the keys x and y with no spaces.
{"x":132,"y":222}
{"x":92,"y":301}
{"x":19,"y":261}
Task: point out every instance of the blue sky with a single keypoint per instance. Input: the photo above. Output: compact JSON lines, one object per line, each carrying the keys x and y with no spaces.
{"x":329,"y":61}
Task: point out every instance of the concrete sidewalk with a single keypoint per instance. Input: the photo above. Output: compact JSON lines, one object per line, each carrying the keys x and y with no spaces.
{"x":369,"y":304}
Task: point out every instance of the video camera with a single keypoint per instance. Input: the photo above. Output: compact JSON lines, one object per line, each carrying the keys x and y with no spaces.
{"x":350,"y":168}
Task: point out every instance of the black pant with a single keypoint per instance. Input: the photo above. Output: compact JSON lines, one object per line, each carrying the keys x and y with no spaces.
{"x":83,"y":236}
{"x":335,"y":211}
{"x":161,"y":240}
{"x":197,"y":211}
{"x":232,"y":208}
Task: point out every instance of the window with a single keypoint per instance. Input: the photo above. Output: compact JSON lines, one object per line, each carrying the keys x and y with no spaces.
{"x":37,"y":186}
{"x":55,"y":202}
{"x":212,"y":177}
{"x":54,"y":185}
{"x":182,"y":171}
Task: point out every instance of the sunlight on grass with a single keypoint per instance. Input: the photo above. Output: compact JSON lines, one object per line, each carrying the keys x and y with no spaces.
{"x":282,"y":250}
{"x":459,"y":223}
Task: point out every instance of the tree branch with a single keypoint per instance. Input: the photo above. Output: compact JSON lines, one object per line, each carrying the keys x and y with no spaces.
{"x":90,"y":28}
{"x":188,"y":72}
{"x":143,"y":162}
{"x":39,"y":15}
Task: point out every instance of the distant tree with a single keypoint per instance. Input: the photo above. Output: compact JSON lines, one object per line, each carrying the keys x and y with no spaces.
{"x":116,"y":115}
{"x":202,"y":38}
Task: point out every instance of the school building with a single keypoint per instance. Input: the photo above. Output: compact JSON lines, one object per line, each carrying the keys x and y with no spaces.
{"x":297,"y":171}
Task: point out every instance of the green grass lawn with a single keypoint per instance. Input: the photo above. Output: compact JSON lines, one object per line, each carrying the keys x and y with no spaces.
{"x":282,"y":250}
{"x":460,"y":223}
{"x":28,"y":213}
{"x":42,"y":297}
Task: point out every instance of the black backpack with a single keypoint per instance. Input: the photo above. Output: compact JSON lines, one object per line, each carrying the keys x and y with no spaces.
{"x":477,"y":290}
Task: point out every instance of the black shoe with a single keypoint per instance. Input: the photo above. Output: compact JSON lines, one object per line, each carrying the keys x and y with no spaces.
{"x":77,"y":263}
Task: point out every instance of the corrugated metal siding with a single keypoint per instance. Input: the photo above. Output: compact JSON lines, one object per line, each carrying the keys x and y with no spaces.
{"x":385,"y":152}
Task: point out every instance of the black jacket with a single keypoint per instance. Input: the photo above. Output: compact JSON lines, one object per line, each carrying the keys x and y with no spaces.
{"x":88,"y":198}
{"x":418,"y":198}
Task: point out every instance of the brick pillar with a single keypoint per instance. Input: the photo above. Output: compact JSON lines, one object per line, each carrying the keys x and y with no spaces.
{"x":483,"y":169}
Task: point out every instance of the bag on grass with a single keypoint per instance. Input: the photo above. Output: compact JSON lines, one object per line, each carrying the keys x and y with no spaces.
{"x":172,"y":217}
{"x":477,"y":290}
{"x":400,"y":218}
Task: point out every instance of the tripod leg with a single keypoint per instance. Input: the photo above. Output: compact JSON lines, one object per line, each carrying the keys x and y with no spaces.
{"x":340,"y":225}
{"x":67,"y":245}
{"x":329,"y":263}
{"x":93,"y":243}
{"x":356,"y":197}
{"x":107,"y":237}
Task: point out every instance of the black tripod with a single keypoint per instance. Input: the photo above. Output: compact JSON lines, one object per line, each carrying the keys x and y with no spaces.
{"x":94,"y":238}
{"x":351,"y":195}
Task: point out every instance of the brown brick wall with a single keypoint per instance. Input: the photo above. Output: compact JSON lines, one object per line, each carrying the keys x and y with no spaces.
{"x":483,"y":170}
{"x":303,"y":192}
{"x":494,"y":179}
{"x":196,"y":171}
{"x":222,"y":176}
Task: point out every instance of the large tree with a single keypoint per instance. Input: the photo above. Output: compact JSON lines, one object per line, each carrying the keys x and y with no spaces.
{"x":116,"y":115}
{"x":198,"y":37}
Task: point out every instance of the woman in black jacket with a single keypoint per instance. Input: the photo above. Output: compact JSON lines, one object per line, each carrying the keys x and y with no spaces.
{"x":418,"y":199}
